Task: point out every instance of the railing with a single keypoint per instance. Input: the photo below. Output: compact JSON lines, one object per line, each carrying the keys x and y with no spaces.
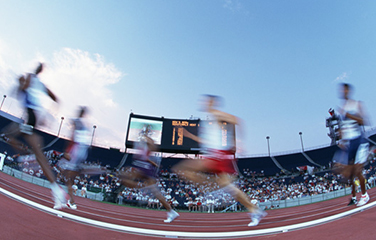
{"x":307,"y":199}
{"x":44,"y":183}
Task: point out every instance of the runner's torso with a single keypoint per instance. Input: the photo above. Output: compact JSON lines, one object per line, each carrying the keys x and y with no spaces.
{"x":81,"y":133}
{"x":216,"y":137}
{"x":350,"y":129}
{"x":33,"y":92}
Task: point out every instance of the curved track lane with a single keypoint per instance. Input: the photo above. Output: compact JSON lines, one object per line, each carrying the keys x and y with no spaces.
{"x":192,"y":224}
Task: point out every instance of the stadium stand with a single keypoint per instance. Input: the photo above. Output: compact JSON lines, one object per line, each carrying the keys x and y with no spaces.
{"x":322,"y":156}
{"x":259,"y":164}
{"x":291,"y":161}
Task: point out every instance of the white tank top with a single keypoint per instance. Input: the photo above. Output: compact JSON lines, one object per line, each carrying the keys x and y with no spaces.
{"x":216,"y":136}
{"x":350,"y":129}
{"x":33,"y":92}
{"x":81,"y":132}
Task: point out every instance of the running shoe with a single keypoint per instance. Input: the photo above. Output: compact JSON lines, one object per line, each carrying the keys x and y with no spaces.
{"x":256,"y":217}
{"x":363,"y":200}
{"x":58,"y":204}
{"x":171,"y":216}
{"x":71,"y":205}
{"x":352,"y":202}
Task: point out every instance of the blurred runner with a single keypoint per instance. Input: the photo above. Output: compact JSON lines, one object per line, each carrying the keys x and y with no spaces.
{"x":144,"y":169}
{"x":349,"y":161}
{"x":218,"y":159}
{"x":30,"y":90}
{"x":75,"y":154}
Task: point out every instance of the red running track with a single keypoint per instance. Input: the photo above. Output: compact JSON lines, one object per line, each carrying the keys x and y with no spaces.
{"x":21,"y":221}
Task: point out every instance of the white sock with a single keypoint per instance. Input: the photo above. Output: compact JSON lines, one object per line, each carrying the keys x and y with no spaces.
{"x":54,"y":187}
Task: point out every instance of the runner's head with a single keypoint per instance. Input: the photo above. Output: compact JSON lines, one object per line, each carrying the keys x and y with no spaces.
{"x":82,"y":111}
{"x":39,"y":68}
{"x":345,"y":90}
{"x":210,"y":102}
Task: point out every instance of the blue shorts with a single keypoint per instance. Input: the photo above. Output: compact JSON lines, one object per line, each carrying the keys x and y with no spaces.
{"x":146,"y":168}
{"x":78,"y":154}
{"x":355,"y":152}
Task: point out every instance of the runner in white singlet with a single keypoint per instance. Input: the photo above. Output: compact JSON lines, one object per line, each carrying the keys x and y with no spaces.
{"x":30,"y":90}
{"x":354,"y":147}
{"x":75,"y":154}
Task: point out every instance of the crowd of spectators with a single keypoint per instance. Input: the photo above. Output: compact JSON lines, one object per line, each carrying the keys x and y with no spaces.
{"x":184,"y":194}
{"x":194,"y":197}
{"x":105,"y":182}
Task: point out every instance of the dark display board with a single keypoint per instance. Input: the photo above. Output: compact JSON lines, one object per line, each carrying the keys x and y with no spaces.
{"x":168,"y":133}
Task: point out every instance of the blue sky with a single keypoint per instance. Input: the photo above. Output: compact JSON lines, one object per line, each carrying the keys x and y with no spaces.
{"x":276,"y":63}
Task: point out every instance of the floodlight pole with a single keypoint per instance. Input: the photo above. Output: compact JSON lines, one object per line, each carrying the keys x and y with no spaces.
{"x":301,"y":140}
{"x":267,"y":140}
{"x":92,"y":137}
{"x":61,"y":123}
{"x":5,"y":96}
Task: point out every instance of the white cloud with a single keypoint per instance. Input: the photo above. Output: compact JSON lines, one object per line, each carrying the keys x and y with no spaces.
{"x":234,"y":6}
{"x":77,"y":78}
{"x":85,"y":78}
{"x":342,"y":77}
{"x":8,"y":78}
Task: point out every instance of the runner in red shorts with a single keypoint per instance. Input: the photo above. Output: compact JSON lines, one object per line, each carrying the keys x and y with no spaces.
{"x":218,"y":159}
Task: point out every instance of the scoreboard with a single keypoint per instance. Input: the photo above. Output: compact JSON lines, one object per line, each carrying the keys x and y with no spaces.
{"x":173,"y":138}
{"x":168,"y":134}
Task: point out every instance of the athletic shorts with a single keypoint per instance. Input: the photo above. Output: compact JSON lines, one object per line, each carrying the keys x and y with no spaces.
{"x":355,"y":152}
{"x":220,"y":161}
{"x":31,"y":117}
{"x":147,"y":169}
{"x":28,"y":127}
{"x":78,"y":154}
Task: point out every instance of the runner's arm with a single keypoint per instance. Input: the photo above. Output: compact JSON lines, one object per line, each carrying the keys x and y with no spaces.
{"x":191,"y":136}
{"x":150,"y":161}
{"x":51,"y":95}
